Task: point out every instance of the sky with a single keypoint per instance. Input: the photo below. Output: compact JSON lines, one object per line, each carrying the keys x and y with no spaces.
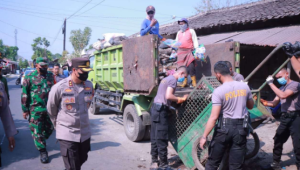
{"x":44,"y":18}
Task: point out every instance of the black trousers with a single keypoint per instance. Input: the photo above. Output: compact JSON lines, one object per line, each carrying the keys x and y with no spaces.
{"x":191,"y":69}
{"x":74,"y":154}
{"x":232,"y":138}
{"x":0,"y":157}
{"x":289,"y":126}
{"x":159,"y":134}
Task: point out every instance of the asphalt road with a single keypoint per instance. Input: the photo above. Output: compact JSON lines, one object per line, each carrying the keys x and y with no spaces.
{"x":110,"y":147}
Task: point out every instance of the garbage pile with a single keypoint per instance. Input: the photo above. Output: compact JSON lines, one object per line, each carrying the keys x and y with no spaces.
{"x":110,"y":39}
{"x":167,"y":57}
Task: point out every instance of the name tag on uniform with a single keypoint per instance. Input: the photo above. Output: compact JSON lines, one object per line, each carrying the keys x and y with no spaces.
{"x":68,"y":94}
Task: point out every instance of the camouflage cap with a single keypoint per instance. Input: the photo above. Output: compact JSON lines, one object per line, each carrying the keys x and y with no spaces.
{"x":82,"y":63}
{"x":41,"y":61}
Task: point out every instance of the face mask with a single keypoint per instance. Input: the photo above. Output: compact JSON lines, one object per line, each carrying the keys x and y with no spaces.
{"x":43,"y":71}
{"x":83,"y":76}
{"x":181,"y":79}
{"x":183,"y":27}
{"x":282,"y":81}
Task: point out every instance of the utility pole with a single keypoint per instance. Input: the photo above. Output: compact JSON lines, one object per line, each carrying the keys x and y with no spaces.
{"x":64,"y":32}
{"x":16,"y":40}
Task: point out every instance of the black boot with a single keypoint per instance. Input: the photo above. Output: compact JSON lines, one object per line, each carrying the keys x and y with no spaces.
{"x":44,"y":156}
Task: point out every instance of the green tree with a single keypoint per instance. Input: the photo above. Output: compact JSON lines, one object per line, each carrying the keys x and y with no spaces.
{"x":39,"y":48}
{"x":9,"y":52}
{"x":80,"y":39}
{"x":25,"y":63}
{"x":21,"y":63}
{"x":56,"y":56}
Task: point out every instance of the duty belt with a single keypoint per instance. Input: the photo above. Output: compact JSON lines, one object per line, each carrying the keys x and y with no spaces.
{"x":290,"y":114}
{"x":228,"y":121}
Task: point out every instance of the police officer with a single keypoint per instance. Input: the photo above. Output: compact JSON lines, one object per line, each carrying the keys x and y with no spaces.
{"x":6,"y":118}
{"x":159,"y":121}
{"x":236,"y":76}
{"x":232,"y":99}
{"x":67,"y":106}
{"x":36,"y":86}
{"x":288,"y":95}
{"x":57,"y":76}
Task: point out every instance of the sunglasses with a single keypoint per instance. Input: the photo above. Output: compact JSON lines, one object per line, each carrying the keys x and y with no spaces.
{"x":151,"y":12}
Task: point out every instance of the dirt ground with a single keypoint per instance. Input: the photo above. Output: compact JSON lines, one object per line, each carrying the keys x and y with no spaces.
{"x":266,"y":133}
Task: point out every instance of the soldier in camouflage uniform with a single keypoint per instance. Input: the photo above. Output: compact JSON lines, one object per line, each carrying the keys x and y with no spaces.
{"x":36,"y":87}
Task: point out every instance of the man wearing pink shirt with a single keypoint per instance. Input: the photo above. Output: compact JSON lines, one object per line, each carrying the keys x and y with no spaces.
{"x":188,"y":39}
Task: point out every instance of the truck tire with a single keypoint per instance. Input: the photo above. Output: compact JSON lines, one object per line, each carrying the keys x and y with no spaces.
{"x":147,"y":133}
{"x":93,"y":109}
{"x":251,"y":152}
{"x":224,"y":165}
{"x":133,"y":124}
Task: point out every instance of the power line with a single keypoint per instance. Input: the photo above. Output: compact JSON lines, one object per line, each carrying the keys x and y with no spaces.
{"x":57,"y":34}
{"x":92,"y":7}
{"x":25,"y":29}
{"x":14,"y":38}
{"x":79,"y":9}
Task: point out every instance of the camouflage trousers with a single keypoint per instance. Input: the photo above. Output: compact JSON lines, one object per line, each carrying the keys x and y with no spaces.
{"x":41,"y":128}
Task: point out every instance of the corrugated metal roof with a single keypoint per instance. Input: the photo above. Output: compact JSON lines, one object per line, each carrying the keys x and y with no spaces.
{"x":266,"y":37}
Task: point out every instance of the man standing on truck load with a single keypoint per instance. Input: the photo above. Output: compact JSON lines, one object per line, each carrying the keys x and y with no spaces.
{"x":188,"y":39}
{"x":68,"y":104}
{"x":236,"y":76}
{"x":288,"y":95}
{"x":150,"y":25}
{"x":34,"y":97}
{"x":231,"y":99}
{"x":159,"y":117}
{"x":57,"y":76}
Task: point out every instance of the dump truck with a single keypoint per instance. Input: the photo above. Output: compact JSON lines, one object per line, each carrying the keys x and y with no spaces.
{"x":125,"y":79}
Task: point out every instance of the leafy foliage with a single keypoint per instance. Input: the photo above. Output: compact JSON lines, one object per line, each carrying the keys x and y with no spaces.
{"x":39,"y":48}
{"x":23,"y":64}
{"x":9,"y":52}
{"x":80,"y":39}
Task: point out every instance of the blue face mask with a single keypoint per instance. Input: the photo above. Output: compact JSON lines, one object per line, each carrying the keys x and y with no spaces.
{"x":282,"y":81}
{"x":181,"y":79}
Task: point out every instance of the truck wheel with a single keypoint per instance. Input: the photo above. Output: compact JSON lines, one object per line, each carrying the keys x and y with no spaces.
{"x":133,"y":124}
{"x":93,"y":108}
{"x":253,"y":145}
{"x":147,"y":132}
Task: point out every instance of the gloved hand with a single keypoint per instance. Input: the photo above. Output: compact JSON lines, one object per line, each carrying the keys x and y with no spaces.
{"x":297,"y":49}
{"x":163,"y":39}
{"x":182,"y":99}
{"x":264,"y":102}
{"x":270,"y":80}
{"x":288,"y":49}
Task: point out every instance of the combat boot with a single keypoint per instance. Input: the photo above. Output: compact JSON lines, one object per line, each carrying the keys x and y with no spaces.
{"x":194,"y":81}
{"x":184,"y":83}
{"x":44,"y":156}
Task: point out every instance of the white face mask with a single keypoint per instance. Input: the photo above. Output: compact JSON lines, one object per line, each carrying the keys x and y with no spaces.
{"x":183,"y":27}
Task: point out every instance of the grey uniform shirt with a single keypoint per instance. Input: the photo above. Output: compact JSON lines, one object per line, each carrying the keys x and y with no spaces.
{"x":67,"y":107}
{"x":160,"y":97}
{"x":237,"y":77}
{"x":232,"y":97}
{"x":291,"y":103}
{"x":5,"y":114}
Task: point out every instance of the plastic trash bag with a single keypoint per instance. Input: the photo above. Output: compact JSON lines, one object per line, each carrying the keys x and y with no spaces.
{"x":199,"y":53}
{"x":172,"y":43}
